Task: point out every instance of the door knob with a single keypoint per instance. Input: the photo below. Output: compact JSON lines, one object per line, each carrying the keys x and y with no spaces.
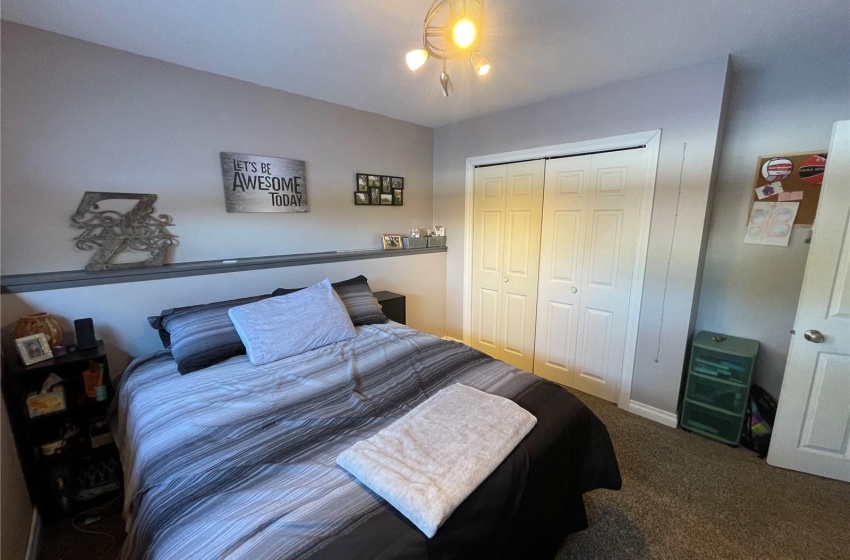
{"x":574,"y":289}
{"x":506,"y":279}
{"x":813,"y":335}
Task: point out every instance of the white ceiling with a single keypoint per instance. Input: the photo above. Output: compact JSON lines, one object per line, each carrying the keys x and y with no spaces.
{"x":351,"y":52}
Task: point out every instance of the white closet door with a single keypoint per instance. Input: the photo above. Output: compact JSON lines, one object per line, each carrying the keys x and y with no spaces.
{"x":520,"y":269}
{"x":587,"y":265}
{"x":507,"y":211}
{"x":561,"y":261}
{"x":488,"y":225}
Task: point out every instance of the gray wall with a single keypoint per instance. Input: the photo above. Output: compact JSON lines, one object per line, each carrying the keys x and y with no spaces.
{"x":687,"y":105}
{"x":752,"y":290}
{"x":77,"y":117}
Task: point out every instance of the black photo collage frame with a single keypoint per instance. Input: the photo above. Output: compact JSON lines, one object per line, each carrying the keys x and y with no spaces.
{"x":378,"y":190}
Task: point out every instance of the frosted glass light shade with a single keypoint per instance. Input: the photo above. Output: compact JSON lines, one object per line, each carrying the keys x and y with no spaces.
{"x":480,"y":63}
{"x":416,"y":58}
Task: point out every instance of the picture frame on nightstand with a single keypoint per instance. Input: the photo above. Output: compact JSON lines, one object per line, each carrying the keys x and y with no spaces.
{"x":33,"y":349}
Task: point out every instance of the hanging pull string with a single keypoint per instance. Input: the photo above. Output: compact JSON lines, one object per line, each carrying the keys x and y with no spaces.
{"x":670,"y":256}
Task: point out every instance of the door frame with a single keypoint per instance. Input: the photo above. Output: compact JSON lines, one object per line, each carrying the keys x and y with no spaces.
{"x":651,"y":140}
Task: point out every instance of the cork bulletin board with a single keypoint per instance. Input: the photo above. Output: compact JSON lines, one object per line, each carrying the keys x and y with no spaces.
{"x":791,"y":178}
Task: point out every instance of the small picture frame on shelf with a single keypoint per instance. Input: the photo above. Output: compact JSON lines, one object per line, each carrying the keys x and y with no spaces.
{"x":386,"y":199}
{"x":362,"y":185}
{"x":397,"y":182}
{"x":373,"y":181}
{"x":375,"y":195}
{"x":398,"y":197}
{"x":386,"y":185}
{"x":33,"y":348}
{"x":361,"y":199}
{"x":392,"y":241}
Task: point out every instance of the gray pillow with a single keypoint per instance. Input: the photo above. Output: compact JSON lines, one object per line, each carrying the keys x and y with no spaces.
{"x":200,"y":335}
{"x":279,"y":327}
{"x":357,"y":296}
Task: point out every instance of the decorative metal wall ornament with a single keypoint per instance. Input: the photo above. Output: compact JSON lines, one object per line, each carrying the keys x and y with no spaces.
{"x":263,"y":184}
{"x":109,"y":232}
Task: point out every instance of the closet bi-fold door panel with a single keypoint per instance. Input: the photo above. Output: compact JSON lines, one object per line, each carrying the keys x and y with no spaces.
{"x":506,"y":248}
{"x":590,"y":226}
{"x":488,"y":223}
{"x":520,"y":270}
{"x":561,"y":265}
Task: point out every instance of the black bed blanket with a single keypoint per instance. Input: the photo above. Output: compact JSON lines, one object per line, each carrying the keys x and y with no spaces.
{"x":238,"y":461}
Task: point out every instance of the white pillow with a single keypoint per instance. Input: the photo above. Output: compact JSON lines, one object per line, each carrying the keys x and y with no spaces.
{"x":283,"y":326}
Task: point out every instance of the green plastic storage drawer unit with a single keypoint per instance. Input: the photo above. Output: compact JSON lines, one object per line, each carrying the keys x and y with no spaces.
{"x":719,"y":377}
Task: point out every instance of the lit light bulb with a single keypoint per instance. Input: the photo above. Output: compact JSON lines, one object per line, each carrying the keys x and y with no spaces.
{"x":416,"y":58}
{"x":480,"y":63}
{"x":464,"y":33}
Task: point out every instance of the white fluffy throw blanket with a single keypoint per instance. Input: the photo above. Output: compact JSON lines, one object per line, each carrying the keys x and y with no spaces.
{"x":426,"y":463}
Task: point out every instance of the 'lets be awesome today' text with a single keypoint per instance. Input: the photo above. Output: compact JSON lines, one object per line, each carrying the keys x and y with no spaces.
{"x":252,"y":175}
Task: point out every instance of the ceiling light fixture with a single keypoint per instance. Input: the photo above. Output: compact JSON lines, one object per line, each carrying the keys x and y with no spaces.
{"x":451,"y":29}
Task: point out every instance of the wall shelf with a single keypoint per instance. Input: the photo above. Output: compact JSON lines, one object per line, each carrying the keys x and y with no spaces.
{"x":20,"y":283}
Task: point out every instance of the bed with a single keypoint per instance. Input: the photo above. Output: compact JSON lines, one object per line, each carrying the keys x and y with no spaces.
{"x":238,"y":460}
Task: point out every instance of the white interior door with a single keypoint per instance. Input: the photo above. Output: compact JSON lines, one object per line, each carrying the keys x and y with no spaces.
{"x":812,"y":428}
{"x":508,"y":203}
{"x":589,"y":243}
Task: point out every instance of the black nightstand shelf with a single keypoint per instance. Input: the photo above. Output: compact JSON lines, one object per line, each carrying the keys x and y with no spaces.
{"x":85,"y":470}
{"x":393,"y":305}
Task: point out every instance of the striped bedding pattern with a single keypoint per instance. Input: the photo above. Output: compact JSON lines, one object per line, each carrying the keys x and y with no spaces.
{"x":238,"y":461}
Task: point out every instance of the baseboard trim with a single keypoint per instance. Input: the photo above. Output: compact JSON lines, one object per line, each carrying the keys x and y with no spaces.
{"x":452,"y":339}
{"x":35,"y":536}
{"x":654,"y":414}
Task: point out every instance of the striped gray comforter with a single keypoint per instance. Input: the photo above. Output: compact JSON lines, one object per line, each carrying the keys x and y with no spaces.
{"x":238,"y":461}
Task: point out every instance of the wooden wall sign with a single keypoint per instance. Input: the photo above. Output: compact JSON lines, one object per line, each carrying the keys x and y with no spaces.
{"x":791,"y":178}
{"x":263,"y":184}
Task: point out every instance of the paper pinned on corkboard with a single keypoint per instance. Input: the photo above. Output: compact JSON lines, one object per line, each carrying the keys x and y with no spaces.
{"x":770,"y":223}
{"x":799,"y":177}
{"x":790,"y":196}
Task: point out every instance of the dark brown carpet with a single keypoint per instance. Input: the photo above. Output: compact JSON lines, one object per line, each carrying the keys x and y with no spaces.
{"x":683,"y":496}
{"x":102,"y":541}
